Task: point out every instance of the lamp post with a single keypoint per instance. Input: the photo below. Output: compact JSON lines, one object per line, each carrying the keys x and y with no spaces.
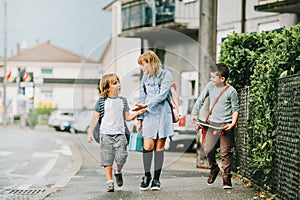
{"x":4,"y":64}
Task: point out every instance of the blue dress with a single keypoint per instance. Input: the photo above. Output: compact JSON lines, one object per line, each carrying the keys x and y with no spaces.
{"x":158,"y":118}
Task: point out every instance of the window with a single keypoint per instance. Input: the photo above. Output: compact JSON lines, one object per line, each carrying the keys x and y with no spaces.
{"x":46,"y":94}
{"x":47,"y":72}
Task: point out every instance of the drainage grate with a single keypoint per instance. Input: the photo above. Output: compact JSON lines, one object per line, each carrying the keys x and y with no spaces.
{"x":25,"y":192}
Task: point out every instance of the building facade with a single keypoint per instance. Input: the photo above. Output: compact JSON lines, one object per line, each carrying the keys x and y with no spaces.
{"x":49,"y":76}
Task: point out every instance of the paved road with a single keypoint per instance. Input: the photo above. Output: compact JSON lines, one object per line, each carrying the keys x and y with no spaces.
{"x":180,"y":180}
{"x":84,"y":179}
{"x":32,"y":161}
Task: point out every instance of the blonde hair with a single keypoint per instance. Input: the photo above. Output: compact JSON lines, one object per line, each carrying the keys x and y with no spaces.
{"x":106,"y":81}
{"x":152,"y":60}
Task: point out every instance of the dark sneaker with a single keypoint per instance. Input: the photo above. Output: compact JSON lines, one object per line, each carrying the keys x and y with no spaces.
{"x":110,"y":187}
{"x":213,"y":175}
{"x":155,"y":185}
{"x":119,"y":179}
{"x":145,"y":183}
{"x":227,"y":183}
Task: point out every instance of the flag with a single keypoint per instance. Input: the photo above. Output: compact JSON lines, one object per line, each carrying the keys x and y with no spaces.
{"x":26,"y":77}
{"x":9,"y":77}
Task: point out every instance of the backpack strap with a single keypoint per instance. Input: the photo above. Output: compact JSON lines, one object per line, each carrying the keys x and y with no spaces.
{"x":101,"y":105}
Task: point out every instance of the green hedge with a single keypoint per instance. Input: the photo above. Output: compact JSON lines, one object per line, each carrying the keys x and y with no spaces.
{"x":258,"y":60}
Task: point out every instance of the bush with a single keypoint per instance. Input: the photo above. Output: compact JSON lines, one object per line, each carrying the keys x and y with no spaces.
{"x":258,"y":60}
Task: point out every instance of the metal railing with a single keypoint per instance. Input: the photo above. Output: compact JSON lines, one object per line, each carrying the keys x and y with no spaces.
{"x":263,"y":2}
{"x":139,"y":13}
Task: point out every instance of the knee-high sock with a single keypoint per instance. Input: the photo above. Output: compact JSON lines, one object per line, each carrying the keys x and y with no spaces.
{"x":158,"y":163}
{"x":147,"y":160}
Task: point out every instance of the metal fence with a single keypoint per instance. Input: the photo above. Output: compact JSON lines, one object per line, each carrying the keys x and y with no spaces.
{"x":242,"y":154}
{"x":286,"y":161}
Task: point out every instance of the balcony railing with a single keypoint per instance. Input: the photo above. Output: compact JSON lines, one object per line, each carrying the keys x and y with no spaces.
{"x":262,"y":2}
{"x":281,"y":6}
{"x":139,"y":13}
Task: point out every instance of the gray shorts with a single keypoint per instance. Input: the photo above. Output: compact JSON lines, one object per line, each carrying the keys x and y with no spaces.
{"x":113,"y":147}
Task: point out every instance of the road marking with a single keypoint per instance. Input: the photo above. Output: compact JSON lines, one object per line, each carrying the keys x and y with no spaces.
{"x":43,"y":172}
{"x":47,"y":168}
{"x":64,"y":150}
{"x":5,"y":153}
{"x":44,"y":155}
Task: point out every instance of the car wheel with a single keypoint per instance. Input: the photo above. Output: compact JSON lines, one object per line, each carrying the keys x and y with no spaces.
{"x":167,"y":144}
{"x":72,"y":130}
{"x":170,"y":145}
{"x":62,"y":127}
{"x":190,"y":146}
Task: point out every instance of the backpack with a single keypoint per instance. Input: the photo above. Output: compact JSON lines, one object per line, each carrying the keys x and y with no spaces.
{"x":173,"y":100}
{"x":96,"y":131}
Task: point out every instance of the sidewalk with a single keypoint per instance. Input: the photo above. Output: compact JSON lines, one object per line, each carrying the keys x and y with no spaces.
{"x":180,"y":180}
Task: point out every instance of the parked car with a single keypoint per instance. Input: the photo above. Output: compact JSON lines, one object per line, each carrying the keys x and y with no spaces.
{"x":61,"y":120}
{"x":184,"y":138}
{"x":82,"y":121}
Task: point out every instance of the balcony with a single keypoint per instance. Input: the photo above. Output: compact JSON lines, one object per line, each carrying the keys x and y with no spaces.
{"x":138,"y":14}
{"x":281,"y":6}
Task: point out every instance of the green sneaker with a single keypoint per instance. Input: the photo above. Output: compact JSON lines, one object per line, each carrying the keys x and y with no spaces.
{"x":155,"y":185}
{"x":119,"y":179}
{"x":145,"y":183}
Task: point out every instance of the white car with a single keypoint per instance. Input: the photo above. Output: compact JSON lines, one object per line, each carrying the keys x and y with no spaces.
{"x":82,"y":121}
{"x":61,"y":120}
{"x":184,"y":138}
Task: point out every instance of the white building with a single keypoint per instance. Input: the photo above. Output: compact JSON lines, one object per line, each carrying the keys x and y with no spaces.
{"x":61,"y":79}
{"x":171,"y":30}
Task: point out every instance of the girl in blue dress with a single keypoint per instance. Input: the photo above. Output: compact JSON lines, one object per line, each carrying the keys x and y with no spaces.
{"x":156,"y":123}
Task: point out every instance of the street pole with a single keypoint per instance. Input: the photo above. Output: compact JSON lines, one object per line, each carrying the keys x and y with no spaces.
{"x":4,"y":64}
{"x":207,"y":57}
{"x":207,"y":40}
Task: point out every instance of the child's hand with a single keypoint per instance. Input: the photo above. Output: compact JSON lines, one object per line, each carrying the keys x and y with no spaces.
{"x":142,"y":111}
{"x":228,"y":126}
{"x":90,"y":137}
{"x":193,"y":118}
{"x":139,"y":107}
{"x":132,"y":115}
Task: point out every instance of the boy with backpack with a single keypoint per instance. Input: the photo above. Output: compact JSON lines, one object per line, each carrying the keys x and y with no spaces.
{"x":112,"y":140}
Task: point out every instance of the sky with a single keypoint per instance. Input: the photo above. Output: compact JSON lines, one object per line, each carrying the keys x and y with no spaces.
{"x":79,"y":26}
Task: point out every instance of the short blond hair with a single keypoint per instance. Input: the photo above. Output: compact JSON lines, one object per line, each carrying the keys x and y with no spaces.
{"x":106,"y":81}
{"x":152,"y":60}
